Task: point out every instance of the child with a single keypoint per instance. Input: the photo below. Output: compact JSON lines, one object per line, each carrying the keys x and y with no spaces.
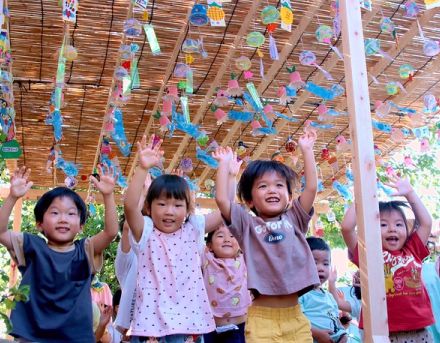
{"x":319,"y":305}
{"x":224,"y":273}
{"x":408,"y":305}
{"x":279,"y":262}
{"x":171,"y":303}
{"x":58,"y":269}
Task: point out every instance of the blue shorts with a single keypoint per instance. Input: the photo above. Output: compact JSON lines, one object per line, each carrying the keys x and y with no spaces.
{"x":232,"y":336}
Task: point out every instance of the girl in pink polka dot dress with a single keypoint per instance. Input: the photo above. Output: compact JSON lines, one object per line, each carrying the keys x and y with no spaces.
{"x":171,"y":301}
{"x":225,"y":275}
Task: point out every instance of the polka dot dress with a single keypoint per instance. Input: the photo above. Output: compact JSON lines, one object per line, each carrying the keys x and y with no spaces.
{"x":171,"y":297}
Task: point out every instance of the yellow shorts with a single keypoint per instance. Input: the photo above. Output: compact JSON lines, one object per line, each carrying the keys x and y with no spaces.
{"x":273,"y":325}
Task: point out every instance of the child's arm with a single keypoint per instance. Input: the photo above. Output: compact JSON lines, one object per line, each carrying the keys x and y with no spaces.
{"x":321,"y":336}
{"x":348,"y":228}
{"x":423,"y":219}
{"x":19,"y":187}
{"x":149,"y":156}
{"x":306,"y":143}
{"x":106,"y":185}
{"x":214,"y":219}
{"x":222,"y":194}
{"x":343,"y":304}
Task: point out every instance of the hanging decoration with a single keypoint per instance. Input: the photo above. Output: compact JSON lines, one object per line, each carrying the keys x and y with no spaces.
{"x":234,"y":89}
{"x":406,"y":71}
{"x":286,"y":15}
{"x":215,"y":13}
{"x":295,"y":78}
{"x":412,"y":9}
{"x":324,"y":34}
{"x":431,"y":47}
{"x":432,"y":4}
{"x":388,"y":26}
{"x":372,"y":47}
{"x":70,"y":10}
{"x":199,"y":16}
{"x":308,"y":58}
{"x":269,"y":17}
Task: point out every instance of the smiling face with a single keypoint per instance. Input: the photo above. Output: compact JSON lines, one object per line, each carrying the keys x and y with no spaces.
{"x":61,"y":223}
{"x":223,"y":244}
{"x":393,"y":230}
{"x":270,"y":195}
{"x":168,"y":214}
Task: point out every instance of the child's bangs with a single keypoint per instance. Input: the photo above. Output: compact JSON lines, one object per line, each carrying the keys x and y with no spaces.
{"x":170,"y":187}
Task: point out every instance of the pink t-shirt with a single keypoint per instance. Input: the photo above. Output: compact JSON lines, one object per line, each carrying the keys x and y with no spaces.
{"x":171,"y":296}
{"x":408,"y":304}
{"x":226,"y":284}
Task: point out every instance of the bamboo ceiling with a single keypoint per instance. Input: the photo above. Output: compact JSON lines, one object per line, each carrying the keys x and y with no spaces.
{"x":36,"y":32}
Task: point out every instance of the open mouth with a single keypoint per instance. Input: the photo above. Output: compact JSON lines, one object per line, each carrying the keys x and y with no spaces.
{"x":273,"y":200}
{"x":392,"y":239}
{"x":63,"y":229}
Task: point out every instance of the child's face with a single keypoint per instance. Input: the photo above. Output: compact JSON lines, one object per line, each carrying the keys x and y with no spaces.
{"x":322,"y":261}
{"x":168,"y":214}
{"x":223,"y":243}
{"x":61,"y":222}
{"x":393,"y":230}
{"x":270,"y":195}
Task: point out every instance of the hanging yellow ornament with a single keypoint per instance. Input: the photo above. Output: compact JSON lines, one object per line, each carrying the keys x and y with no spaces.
{"x":189,"y":59}
{"x":286,"y":15}
{"x":215,"y":12}
{"x":145,"y":16}
{"x":260,"y":53}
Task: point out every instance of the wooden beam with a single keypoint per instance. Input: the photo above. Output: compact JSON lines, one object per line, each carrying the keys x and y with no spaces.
{"x":250,"y":17}
{"x":167,"y":75}
{"x":281,"y":123}
{"x":374,"y":307}
{"x":35,"y":194}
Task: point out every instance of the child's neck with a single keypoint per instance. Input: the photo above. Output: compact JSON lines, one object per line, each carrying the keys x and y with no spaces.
{"x":64,"y":247}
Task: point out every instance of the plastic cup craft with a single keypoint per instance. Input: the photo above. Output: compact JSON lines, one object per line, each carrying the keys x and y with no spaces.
{"x":243,"y":63}
{"x":269,"y":15}
{"x":324,"y":34}
{"x":255,"y":39}
{"x":191,"y":46}
{"x":70,"y":53}
{"x":431,"y":48}
{"x":198,"y":16}
{"x":387,"y":26}
{"x":132,"y":28}
{"x":406,"y":71}
{"x":372,"y":47}
{"x":308,"y":58}
{"x":180,"y":70}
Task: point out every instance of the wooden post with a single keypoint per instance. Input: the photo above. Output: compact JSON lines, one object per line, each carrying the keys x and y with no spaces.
{"x":370,"y":247}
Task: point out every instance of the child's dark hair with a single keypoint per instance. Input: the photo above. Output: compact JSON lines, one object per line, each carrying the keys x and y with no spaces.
{"x":316,"y":243}
{"x":209,"y":236}
{"x":60,"y":192}
{"x":172,"y":186}
{"x":258,"y":168}
{"x":116,"y":298}
{"x":395,"y":205}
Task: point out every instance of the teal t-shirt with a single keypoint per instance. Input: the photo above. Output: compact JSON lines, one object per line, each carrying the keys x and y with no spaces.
{"x":321,"y":309}
{"x":432,"y":284}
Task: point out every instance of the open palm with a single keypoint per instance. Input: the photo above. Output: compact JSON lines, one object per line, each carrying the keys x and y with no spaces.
{"x":107,"y":180}
{"x":149,"y":154}
{"x":20,"y":183}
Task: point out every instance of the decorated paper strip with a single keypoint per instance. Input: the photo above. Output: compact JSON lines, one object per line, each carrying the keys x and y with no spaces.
{"x":70,"y":9}
{"x":152,"y":39}
{"x":215,"y":13}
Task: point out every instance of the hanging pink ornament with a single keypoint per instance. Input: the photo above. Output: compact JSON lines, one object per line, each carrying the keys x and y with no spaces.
{"x":221,"y":98}
{"x":390,"y":171}
{"x":295,"y":80}
{"x":424,"y":145}
{"x":397,"y":135}
{"x":408,"y":161}
{"x":220,"y":115}
{"x":255,"y":124}
{"x":282,"y":95}
{"x":167,"y":106}
{"x":308,"y":58}
{"x":382,"y":108}
{"x":164,"y":121}
{"x":411,"y":9}
{"x":342,"y":144}
{"x":269,"y":112}
{"x":234,"y":88}
{"x":172,"y":94}
{"x":247,"y":74}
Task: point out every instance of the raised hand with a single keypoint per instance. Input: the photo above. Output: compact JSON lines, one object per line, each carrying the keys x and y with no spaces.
{"x":20,"y":183}
{"x":308,"y":139}
{"x":107,"y":180}
{"x":402,"y":187}
{"x":234,"y":165}
{"x":223,"y":154}
{"x":333,"y":275}
{"x":149,"y":154}
{"x":178,"y":172}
